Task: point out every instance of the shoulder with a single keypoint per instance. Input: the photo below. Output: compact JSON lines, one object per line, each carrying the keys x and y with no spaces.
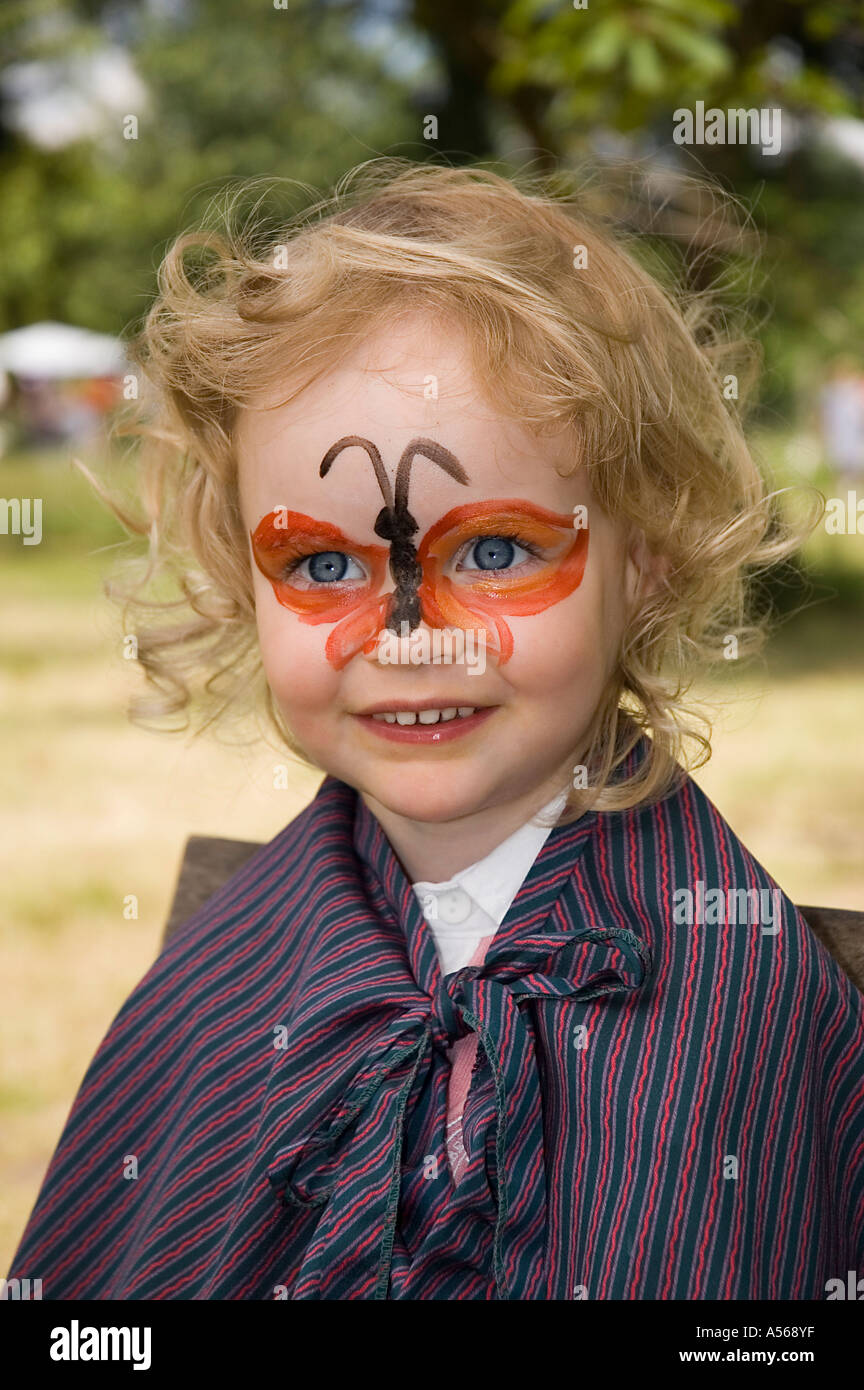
{"x":274,"y":880}
{"x":693,"y":880}
{"x":254,"y":927}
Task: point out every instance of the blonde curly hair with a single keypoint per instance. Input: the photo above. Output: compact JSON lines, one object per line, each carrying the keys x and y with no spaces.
{"x":567,"y":327}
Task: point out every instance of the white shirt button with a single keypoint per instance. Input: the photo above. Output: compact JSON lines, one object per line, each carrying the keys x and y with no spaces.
{"x":453,"y":906}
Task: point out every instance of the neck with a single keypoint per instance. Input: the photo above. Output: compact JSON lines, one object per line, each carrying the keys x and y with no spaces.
{"x":435,"y":851}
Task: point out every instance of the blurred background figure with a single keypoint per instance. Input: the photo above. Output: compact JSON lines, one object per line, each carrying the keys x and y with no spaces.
{"x":61,"y":384}
{"x":841,"y":408}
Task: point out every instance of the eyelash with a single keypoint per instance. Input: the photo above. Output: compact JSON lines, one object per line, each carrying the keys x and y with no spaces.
{"x":295,"y":564}
{"x":465,"y":549}
{"x":512,"y":536}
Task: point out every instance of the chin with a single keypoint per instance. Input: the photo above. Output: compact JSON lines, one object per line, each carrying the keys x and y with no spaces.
{"x":426,"y":799}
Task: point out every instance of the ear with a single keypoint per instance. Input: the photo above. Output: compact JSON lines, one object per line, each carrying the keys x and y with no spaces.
{"x":644,"y":570}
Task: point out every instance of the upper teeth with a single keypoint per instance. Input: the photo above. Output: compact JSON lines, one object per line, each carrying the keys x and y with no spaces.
{"x":425,"y":716}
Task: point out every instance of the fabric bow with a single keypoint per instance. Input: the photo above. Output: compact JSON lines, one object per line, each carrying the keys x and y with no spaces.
{"x":351,"y":1164}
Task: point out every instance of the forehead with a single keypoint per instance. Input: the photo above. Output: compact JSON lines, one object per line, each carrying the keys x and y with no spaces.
{"x":414,"y":378}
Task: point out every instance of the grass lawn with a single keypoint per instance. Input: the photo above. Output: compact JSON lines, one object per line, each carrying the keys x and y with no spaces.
{"x":96,"y":810}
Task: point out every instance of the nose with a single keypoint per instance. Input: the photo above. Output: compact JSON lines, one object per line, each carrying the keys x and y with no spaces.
{"x":425,"y":645}
{"x":406,"y":647}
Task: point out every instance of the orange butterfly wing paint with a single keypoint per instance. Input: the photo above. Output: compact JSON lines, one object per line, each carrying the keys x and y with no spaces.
{"x":358,"y":612}
{"x":480,"y":603}
{"x":361,"y":612}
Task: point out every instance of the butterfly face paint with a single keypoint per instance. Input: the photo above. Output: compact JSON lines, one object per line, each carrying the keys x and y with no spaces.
{"x":284,"y":542}
{"x":394,"y":522}
{"x":485,"y":595}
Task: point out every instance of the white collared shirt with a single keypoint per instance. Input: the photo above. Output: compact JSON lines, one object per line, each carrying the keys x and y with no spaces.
{"x":474,"y":903}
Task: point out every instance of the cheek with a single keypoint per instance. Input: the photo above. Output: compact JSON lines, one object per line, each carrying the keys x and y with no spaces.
{"x":568,"y":651}
{"x":292,"y":652}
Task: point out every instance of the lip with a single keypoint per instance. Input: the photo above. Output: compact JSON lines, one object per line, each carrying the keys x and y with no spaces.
{"x":415,"y":706}
{"x":422,"y":733}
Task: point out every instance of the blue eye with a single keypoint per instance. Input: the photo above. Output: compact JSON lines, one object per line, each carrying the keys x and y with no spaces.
{"x":328,"y":567}
{"x":494,"y":553}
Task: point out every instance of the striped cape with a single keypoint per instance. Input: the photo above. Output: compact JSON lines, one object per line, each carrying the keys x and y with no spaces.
{"x":657,"y":1110}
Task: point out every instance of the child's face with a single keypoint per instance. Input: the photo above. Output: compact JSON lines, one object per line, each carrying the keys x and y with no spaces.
{"x":549,"y":606}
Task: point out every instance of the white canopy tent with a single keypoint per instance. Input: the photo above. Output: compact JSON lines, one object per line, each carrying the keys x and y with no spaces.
{"x":57,"y":352}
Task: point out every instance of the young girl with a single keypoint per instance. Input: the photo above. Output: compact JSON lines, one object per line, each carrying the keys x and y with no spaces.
{"x":508,"y":1012}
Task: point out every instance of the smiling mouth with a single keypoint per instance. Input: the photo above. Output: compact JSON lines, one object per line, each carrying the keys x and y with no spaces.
{"x":425,"y":723}
{"x":426,"y":716}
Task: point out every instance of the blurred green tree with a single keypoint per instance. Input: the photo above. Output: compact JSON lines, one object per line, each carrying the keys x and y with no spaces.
{"x":308,"y":89}
{"x":232,"y":92}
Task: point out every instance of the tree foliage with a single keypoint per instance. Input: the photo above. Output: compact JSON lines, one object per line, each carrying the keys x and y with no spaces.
{"x":239,"y":88}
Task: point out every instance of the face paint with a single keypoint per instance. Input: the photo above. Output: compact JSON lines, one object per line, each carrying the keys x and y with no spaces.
{"x":395,"y":523}
{"x":488,"y":594}
{"x":283,"y":540}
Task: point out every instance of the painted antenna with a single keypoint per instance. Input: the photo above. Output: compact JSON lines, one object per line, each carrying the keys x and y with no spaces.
{"x":394,"y":522}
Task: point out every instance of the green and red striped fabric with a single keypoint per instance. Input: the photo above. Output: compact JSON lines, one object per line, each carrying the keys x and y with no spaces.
{"x":657,"y":1111}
